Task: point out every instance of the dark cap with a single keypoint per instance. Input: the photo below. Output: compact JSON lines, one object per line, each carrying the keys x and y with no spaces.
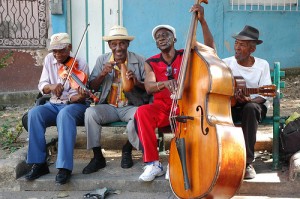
{"x":248,"y":33}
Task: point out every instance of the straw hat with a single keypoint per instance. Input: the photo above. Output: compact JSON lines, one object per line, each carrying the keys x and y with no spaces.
{"x":248,"y":33}
{"x":118,"y":32}
{"x":155,"y":29}
{"x":59,"y":41}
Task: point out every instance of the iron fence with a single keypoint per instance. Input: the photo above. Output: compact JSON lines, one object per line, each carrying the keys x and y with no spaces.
{"x":23,"y":23}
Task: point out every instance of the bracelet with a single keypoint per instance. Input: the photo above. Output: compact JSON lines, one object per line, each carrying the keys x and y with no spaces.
{"x":157,"y":86}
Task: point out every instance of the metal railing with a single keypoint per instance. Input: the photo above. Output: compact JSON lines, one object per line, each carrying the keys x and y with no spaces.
{"x":23,"y":23}
{"x":264,"y":5}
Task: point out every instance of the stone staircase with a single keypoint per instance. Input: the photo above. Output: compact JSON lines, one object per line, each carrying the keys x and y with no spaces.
{"x":267,"y":182}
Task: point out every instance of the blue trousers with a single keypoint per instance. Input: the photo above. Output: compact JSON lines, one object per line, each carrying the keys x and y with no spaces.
{"x":66,"y":118}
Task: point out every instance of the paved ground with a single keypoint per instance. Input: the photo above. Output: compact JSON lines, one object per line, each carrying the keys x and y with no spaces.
{"x":123,"y":195}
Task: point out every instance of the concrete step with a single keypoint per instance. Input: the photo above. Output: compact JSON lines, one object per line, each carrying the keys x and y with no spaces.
{"x":266,"y":183}
{"x":115,"y":137}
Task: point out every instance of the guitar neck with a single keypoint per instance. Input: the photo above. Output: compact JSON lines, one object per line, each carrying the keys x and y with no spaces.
{"x":249,"y":91}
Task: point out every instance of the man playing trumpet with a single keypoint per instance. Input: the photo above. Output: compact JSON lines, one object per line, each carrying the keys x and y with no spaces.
{"x":118,"y":76}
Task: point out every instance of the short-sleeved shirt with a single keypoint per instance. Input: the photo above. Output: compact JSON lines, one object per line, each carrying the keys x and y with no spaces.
{"x":136,"y":63}
{"x":255,"y":76}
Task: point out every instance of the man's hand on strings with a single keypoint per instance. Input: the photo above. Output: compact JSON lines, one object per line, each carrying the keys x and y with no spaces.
{"x":171,"y":85}
{"x":199,"y":11}
{"x":82,"y":93}
{"x":241,"y":98}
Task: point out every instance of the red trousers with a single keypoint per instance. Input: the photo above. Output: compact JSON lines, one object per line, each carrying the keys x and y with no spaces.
{"x":149,"y":117}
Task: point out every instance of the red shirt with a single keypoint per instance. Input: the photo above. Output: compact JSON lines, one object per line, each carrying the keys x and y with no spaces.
{"x":159,"y":67}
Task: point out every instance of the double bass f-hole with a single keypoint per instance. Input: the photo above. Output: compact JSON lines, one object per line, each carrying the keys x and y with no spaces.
{"x":206,"y":131}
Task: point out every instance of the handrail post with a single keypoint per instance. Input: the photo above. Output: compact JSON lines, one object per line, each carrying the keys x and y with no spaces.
{"x":276,"y":118}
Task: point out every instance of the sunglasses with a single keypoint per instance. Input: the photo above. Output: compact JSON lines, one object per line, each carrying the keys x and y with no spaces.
{"x":169,"y":72}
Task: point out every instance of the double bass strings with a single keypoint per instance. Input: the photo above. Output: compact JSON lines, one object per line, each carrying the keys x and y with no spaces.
{"x":181,"y":76}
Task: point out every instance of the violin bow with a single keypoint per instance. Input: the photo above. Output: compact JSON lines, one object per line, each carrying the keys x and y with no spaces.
{"x":76,"y":54}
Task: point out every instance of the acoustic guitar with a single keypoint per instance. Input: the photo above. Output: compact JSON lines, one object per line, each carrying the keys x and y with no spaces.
{"x":240,"y":85}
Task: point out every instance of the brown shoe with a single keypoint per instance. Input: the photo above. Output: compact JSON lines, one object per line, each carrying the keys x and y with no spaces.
{"x":250,"y":172}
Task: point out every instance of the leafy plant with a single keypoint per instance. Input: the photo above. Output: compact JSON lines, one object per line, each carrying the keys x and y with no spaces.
{"x":9,"y":135}
{"x":3,"y":60}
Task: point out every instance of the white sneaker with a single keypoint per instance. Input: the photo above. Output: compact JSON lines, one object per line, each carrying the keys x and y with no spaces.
{"x":151,"y":171}
{"x":167,"y":176}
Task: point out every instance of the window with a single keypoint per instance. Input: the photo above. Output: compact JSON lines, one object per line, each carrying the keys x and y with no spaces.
{"x":23,"y":24}
{"x":264,"y":5}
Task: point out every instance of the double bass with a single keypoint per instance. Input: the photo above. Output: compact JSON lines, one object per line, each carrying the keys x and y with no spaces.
{"x":207,"y":154}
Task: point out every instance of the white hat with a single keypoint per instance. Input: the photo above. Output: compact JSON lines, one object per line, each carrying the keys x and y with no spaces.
{"x":163,"y":26}
{"x":59,"y":41}
{"x":118,"y":32}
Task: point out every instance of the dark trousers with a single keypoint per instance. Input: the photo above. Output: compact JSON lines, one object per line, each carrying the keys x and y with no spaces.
{"x":249,"y":115}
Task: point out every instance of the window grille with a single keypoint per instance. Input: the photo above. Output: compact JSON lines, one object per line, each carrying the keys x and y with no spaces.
{"x":23,"y":23}
{"x":264,"y":5}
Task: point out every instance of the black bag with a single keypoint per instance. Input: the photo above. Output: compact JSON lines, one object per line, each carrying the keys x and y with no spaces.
{"x":290,"y":137}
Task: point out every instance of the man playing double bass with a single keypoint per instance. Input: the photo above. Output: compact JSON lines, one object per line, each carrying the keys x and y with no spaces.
{"x":161,"y":75}
{"x":250,"y":110}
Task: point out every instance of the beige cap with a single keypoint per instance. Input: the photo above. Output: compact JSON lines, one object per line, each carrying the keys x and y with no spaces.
{"x":59,"y":41}
{"x":118,"y":32}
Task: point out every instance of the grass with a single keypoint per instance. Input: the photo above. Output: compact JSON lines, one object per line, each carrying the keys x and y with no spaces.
{"x":3,"y":60}
{"x":10,"y":130}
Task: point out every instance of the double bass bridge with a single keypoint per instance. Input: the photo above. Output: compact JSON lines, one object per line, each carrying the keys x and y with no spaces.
{"x":183,"y":118}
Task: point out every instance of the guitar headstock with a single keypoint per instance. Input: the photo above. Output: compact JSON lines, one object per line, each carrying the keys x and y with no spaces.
{"x":267,"y":90}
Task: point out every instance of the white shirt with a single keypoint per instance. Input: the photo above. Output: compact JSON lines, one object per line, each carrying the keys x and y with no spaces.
{"x":50,"y":76}
{"x":255,"y":76}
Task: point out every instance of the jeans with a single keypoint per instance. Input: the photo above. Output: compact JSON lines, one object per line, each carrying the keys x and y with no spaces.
{"x":66,"y":117}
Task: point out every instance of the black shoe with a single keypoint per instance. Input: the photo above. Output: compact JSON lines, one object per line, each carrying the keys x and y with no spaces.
{"x":63,"y":176}
{"x":94,"y":165}
{"x":126,"y":161}
{"x":37,"y":170}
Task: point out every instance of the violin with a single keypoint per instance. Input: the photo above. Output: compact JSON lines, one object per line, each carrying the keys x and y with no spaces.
{"x":64,"y":70}
{"x":78,"y":79}
{"x":69,"y":71}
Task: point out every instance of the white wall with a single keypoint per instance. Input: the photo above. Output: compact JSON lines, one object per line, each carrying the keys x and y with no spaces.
{"x":101,"y":15}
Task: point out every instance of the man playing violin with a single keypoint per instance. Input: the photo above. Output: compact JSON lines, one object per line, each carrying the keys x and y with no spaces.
{"x":250,"y":110}
{"x":161,"y":80}
{"x":116,"y":104}
{"x":65,"y":109}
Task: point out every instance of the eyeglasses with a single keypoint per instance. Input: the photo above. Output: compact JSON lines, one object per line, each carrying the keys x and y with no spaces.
{"x":169,"y":72}
{"x":163,"y":35}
